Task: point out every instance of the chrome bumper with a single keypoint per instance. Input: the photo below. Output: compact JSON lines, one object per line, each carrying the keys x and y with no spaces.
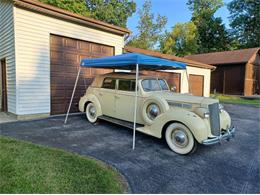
{"x":230,"y":133}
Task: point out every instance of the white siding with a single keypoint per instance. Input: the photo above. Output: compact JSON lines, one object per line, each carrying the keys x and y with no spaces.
{"x":32,"y":32}
{"x":195,"y":71}
{"x":7,"y":50}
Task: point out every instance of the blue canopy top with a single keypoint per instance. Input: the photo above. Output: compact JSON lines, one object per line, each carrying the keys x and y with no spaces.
{"x":128,"y":62}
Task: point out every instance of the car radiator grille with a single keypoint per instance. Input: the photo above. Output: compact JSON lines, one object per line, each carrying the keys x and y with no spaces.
{"x":214,"y":119}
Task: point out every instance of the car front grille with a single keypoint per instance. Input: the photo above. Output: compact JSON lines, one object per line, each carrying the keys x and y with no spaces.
{"x":214,"y":119}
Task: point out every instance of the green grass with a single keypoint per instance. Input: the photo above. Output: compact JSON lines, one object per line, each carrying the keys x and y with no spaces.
{"x":30,"y":168}
{"x":234,"y":99}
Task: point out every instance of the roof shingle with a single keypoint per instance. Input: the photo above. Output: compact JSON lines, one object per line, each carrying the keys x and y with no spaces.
{"x":225,"y":57}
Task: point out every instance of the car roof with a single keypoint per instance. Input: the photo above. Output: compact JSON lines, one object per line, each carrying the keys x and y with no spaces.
{"x":126,"y":75}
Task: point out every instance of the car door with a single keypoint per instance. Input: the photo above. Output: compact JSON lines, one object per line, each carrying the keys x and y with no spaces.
{"x":106,"y":95}
{"x":125,"y":100}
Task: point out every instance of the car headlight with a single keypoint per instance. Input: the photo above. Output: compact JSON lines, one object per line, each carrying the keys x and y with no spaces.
{"x":153,"y":111}
{"x":202,"y":112}
{"x":221,"y":107}
{"x":206,"y":114}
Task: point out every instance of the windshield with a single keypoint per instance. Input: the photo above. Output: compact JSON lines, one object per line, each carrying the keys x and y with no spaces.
{"x":154,"y":85}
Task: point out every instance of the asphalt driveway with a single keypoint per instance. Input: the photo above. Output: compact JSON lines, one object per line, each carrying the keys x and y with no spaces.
{"x":232,"y":167}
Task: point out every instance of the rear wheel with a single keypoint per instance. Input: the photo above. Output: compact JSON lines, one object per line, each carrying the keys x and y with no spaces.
{"x":91,"y":112}
{"x":180,"y":139}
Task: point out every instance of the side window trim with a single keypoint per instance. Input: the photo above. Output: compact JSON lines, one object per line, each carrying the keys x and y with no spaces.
{"x":131,"y":82}
{"x":112,"y":80}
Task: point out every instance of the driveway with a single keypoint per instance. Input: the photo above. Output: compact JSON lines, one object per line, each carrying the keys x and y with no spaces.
{"x":232,"y":167}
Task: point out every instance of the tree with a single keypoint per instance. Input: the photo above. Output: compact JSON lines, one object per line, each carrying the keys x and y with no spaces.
{"x":245,"y":21}
{"x":181,"y":41}
{"x":111,"y":11}
{"x":75,"y":6}
{"x":149,"y":28}
{"x":212,"y":34}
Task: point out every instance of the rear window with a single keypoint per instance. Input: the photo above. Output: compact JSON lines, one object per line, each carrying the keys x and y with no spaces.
{"x":126,"y":85}
{"x":109,"y":83}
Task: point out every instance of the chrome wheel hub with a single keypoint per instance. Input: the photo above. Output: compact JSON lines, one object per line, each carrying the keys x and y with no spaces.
{"x":92,"y":111}
{"x":179,"y":138}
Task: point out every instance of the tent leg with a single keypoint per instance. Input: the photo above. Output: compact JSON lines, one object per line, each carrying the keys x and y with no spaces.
{"x":136,"y":94}
{"x":188,"y":79}
{"x":71,"y":99}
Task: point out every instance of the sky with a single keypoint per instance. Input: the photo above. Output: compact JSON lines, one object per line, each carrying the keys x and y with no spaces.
{"x":175,"y":10}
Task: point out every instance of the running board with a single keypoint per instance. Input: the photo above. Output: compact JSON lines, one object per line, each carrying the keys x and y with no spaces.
{"x":127,"y":124}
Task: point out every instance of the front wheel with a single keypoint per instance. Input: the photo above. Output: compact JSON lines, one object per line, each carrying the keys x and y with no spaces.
{"x":91,"y":112}
{"x":180,"y":139}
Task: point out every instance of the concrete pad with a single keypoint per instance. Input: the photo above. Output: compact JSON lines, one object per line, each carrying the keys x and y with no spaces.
{"x":5,"y":117}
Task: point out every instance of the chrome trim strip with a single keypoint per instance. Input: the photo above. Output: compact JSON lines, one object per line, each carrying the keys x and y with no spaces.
{"x":230,"y":133}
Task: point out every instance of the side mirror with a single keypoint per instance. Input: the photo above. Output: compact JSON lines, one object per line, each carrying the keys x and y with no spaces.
{"x":174,"y":88}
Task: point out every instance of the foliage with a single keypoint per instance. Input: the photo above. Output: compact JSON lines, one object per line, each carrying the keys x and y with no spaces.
{"x":75,"y":6}
{"x":149,"y":28}
{"x":112,"y":11}
{"x":29,"y":168}
{"x":235,"y":99}
{"x":245,"y":21}
{"x":181,"y":41}
{"x":212,"y":35}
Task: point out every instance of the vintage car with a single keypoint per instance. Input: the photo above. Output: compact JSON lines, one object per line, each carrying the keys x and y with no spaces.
{"x":182,"y":119}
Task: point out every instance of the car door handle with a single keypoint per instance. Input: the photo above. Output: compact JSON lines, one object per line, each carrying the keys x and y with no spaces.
{"x":101,"y":94}
{"x":117,"y":97}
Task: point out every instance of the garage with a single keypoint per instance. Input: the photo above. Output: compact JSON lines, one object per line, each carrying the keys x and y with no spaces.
{"x":66,"y":54}
{"x":196,"y":84}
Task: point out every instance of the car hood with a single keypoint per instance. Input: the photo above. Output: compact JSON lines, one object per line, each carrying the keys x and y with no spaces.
{"x":185,"y":98}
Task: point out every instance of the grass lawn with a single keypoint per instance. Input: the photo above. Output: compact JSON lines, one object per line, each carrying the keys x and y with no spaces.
{"x":29,"y":168}
{"x":234,"y":99}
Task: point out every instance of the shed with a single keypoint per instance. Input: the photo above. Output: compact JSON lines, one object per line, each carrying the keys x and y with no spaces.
{"x":237,"y":71}
{"x":199,"y":73}
{"x":40,"y":52}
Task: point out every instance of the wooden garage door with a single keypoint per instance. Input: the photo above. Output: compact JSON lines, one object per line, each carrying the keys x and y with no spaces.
{"x":196,"y":84}
{"x":66,"y":54}
{"x":234,"y":79}
{"x":173,"y":79}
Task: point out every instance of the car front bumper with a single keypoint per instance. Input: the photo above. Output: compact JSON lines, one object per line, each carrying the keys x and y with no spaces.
{"x":230,"y":133}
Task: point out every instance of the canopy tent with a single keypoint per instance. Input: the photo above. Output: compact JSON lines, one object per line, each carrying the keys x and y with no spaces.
{"x":129,"y":61}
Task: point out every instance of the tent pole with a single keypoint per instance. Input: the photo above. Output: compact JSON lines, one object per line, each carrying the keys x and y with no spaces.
{"x":71,"y":99}
{"x":188,"y":80}
{"x":135,"y":111}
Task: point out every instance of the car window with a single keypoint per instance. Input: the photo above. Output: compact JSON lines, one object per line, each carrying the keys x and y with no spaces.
{"x":126,"y":85}
{"x":109,"y":83}
{"x":151,"y":85}
{"x":163,"y":84}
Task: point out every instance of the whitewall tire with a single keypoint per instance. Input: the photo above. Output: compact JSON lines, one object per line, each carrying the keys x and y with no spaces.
{"x":91,"y":112}
{"x":180,"y":139}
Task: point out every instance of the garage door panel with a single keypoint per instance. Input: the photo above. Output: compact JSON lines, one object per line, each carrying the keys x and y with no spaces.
{"x":63,"y":70}
{"x":66,"y":54}
{"x":196,"y":83}
{"x":56,"y":57}
{"x":71,"y":58}
{"x":70,"y":44}
{"x":56,"y":42}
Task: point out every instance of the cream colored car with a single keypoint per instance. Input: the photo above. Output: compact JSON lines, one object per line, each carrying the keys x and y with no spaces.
{"x":182,"y":119}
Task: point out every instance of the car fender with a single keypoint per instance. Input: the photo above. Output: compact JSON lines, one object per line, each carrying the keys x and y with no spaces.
{"x":90,"y":98}
{"x":162,"y":103}
{"x":194,"y":122}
